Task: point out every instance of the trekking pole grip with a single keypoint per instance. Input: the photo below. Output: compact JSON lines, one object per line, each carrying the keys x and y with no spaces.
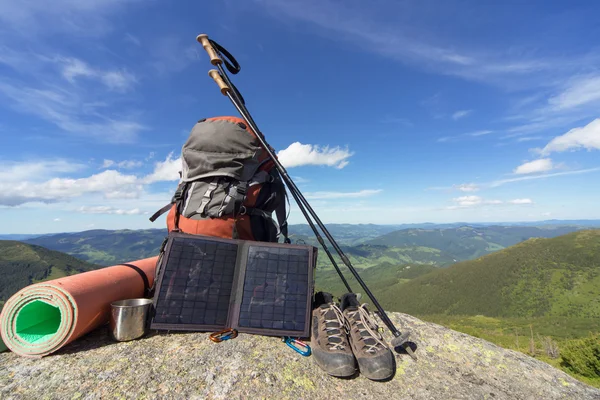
{"x":214,"y":57}
{"x":213,"y":73}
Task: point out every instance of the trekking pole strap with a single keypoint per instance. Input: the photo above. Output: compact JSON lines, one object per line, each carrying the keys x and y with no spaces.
{"x":218,"y":54}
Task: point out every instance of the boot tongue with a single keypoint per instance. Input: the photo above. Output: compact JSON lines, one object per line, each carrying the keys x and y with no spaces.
{"x":330,"y":316}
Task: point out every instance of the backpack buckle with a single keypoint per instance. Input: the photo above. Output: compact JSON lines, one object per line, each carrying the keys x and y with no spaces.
{"x":225,"y":334}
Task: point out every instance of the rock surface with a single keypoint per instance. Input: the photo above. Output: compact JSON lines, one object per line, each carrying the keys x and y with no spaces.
{"x":450,"y":365}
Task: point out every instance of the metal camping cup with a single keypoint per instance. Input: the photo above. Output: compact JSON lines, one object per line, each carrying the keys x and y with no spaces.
{"x":129,"y":319}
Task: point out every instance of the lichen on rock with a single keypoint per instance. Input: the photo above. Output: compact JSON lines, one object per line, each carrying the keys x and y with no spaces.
{"x":450,"y":365}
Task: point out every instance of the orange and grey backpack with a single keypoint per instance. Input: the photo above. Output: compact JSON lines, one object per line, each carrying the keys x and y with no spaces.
{"x":229,"y":186}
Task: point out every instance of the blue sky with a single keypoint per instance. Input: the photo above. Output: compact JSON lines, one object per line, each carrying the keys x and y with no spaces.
{"x":386,"y":112}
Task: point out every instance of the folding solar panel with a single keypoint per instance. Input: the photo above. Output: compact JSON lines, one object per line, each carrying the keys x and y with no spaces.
{"x":206,"y":284}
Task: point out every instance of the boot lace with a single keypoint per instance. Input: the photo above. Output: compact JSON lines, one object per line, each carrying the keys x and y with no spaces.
{"x":338,"y":329}
{"x":368,"y":326}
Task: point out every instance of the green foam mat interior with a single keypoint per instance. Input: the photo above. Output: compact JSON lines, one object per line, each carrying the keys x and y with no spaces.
{"x":38,"y":321}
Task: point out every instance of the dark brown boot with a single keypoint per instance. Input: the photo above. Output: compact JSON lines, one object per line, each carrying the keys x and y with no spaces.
{"x":329,"y":340}
{"x":375,"y":359}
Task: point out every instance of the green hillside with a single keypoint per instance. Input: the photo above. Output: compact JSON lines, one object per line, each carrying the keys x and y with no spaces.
{"x":367,"y":256}
{"x":106,"y":247}
{"x":539,"y":277}
{"x":468,"y":242}
{"x":23,"y":264}
{"x":377,"y":278}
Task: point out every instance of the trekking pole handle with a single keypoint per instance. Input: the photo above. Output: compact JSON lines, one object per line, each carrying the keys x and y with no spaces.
{"x":212,"y":53}
{"x":213,"y":73}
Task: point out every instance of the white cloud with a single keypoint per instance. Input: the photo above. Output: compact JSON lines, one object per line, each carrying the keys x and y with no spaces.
{"x":56,"y":220}
{"x":474,"y":134}
{"x":534,"y":167}
{"x":542,"y":123}
{"x":529,"y":138}
{"x":413,"y":37}
{"x":587,"y":137}
{"x":580,"y":91}
{"x":467,"y":187}
{"x":477,"y":201}
{"x":298,"y":154}
{"x":110,"y":183}
{"x":74,"y":68}
{"x":299,"y":179}
{"x":108,"y":210}
{"x":167,"y":170}
{"x":42,"y":169}
{"x":480,"y":133}
{"x":461,"y":114}
{"x":341,"y":195}
{"x":117,"y":80}
{"x":468,"y":201}
{"x":107,"y":164}
{"x":23,"y":183}
{"x":501,"y":182}
{"x":83,"y":18}
{"x":126,"y":164}
{"x":67,"y":110}
{"x":170,"y":55}
{"x":132,"y":39}
{"x":521,"y":201}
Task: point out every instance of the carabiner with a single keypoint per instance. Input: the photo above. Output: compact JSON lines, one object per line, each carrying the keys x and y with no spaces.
{"x":225,"y":334}
{"x":297,"y":345}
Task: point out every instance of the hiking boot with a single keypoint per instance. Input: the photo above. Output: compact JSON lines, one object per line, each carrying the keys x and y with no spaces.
{"x":375,"y":359}
{"x":329,"y":340}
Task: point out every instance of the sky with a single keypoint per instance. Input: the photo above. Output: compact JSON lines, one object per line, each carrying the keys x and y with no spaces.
{"x":384,"y":112}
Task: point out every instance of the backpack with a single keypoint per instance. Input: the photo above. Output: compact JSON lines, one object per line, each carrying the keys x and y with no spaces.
{"x":229,"y":185}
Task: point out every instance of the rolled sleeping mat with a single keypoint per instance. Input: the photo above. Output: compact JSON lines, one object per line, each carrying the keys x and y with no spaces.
{"x":42,"y":318}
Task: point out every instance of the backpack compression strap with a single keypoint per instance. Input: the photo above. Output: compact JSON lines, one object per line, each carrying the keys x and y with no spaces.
{"x":176,"y":197}
{"x":281,"y":214}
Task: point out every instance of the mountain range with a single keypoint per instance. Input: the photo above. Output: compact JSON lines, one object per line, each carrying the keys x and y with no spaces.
{"x":535,"y":278}
{"x":366,"y":245}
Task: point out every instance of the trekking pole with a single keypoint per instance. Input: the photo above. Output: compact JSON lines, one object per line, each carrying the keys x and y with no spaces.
{"x":227,"y":88}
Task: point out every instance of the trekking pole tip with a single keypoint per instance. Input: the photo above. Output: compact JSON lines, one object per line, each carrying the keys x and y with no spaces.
{"x":213,"y":73}
{"x":401,"y":339}
{"x":205,"y":42}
